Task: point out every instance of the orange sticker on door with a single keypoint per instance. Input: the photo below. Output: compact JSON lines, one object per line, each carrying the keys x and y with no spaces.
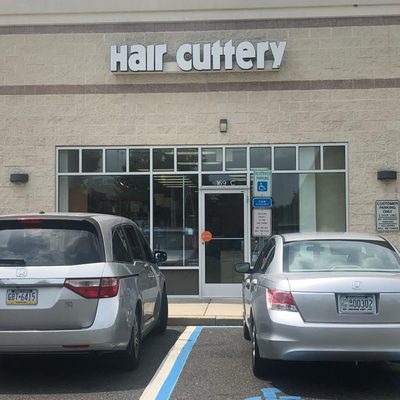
{"x":206,"y":236}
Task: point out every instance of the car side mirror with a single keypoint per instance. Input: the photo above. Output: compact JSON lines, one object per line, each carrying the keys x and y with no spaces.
{"x":160,"y":256}
{"x":243,"y":267}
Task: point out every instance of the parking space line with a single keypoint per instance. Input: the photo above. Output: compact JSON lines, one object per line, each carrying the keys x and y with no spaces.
{"x":166,"y":377}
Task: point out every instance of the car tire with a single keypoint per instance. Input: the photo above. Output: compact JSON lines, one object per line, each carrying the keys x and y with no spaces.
{"x":163,"y":315}
{"x":257,"y":362}
{"x":246,"y":332}
{"x":130,"y":358}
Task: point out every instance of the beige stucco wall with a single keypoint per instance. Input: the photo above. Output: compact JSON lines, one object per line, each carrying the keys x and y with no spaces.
{"x":349,"y":52}
{"x":14,"y":12}
{"x":31,"y":126}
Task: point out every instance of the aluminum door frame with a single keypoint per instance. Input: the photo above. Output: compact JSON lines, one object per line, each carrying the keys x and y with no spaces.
{"x":223,"y":289}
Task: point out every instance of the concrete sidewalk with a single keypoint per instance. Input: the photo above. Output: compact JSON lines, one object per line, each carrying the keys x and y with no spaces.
{"x":205,"y":311}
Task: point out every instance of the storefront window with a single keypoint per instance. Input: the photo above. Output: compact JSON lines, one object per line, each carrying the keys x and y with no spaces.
{"x":211,"y":159}
{"x":68,"y":161}
{"x":308,"y":193}
{"x":285,"y":211}
{"x":187,"y":159}
{"x":139,"y":160}
{"x":285,"y":158}
{"x":92,"y":160}
{"x":115,"y":160}
{"x":309,"y":158}
{"x":260,"y":157}
{"x":334,"y":157}
{"x":175,"y":213}
{"x":235,"y":158}
{"x":163,"y":160}
{"x":128,"y":196}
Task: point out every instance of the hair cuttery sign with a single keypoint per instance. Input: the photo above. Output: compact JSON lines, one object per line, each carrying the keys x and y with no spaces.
{"x":198,"y":57}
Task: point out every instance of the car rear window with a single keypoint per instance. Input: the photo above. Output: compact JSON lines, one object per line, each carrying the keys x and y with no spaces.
{"x":339,"y":255}
{"x":47,"y":242}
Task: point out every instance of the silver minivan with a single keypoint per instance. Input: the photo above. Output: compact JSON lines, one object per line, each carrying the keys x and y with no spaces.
{"x":78,"y":283}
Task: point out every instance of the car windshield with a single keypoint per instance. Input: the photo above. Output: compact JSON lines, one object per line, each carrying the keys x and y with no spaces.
{"x":35,"y":242}
{"x":339,"y":255}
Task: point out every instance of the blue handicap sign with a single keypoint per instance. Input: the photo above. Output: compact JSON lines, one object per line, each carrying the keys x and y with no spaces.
{"x":262,"y":186}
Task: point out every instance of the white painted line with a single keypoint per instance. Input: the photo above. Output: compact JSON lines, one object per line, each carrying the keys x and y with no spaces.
{"x":154,"y":387}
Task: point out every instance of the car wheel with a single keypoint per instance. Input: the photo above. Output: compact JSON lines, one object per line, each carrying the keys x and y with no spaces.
{"x":131,"y":356}
{"x":246,"y":333}
{"x":163,"y":316}
{"x":257,"y":362}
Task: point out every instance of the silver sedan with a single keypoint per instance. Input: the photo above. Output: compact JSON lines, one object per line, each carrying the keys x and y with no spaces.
{"x":322,"y":297}
{"x":78,"y":283}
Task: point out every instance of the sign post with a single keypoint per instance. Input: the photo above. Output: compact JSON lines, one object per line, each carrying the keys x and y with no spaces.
{"x":262,"y":203}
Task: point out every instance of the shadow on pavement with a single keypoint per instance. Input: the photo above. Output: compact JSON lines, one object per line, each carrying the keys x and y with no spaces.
{"x":337,"y":380}
{"x":82,"y":374}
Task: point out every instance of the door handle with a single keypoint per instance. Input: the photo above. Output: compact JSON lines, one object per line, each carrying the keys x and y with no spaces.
{"x":151,"y":276}
{"x":247,"y":283}
{"x":254,"y":283}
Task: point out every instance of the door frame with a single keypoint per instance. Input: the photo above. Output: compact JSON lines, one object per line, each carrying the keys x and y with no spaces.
{"x":222,"y":289}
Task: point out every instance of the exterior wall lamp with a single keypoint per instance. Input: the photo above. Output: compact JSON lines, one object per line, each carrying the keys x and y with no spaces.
{"x":223,"y":125}
{"x":19,"y":178}
{"x":387,"y":175}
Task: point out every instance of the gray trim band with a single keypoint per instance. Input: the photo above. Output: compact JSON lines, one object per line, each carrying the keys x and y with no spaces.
{"x":200,"y":25}
{"x":17,"y":90}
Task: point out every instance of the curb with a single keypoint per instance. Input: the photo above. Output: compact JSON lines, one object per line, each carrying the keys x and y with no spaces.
{"x":204,"y":321}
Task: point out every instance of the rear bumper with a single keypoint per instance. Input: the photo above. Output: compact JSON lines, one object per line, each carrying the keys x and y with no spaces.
{"x":286,"y":337}
{"x":109,"y":332}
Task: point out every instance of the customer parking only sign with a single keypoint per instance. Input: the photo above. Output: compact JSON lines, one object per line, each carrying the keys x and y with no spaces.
{"x":387,"y":215}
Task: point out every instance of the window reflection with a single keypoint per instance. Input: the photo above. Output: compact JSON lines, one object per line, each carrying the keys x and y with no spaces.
{"x":128,"y":196}
{"x":235,"y":158}
{"x":334,"y":157}
{"x":260,"y":157}
{"x":68,"y":161}
{"x":285,"y":158}
{"x":92,"y":160}
{"x":176,"y":218}
{"x":187,"y":159}
{"x":163,"y":159}
{"x":211,"y":159}
{"x":139,"y":160}
{"x":115,"y":160}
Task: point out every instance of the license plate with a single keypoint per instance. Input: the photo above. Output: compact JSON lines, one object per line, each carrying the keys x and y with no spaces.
{"x":357,"y":304}
{"x":18,"y":297}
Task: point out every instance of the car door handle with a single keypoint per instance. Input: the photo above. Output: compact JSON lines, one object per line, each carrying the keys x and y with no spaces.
{"x":254,"y":283}
{"x":151,"y":276}
{"x":247,"y":283}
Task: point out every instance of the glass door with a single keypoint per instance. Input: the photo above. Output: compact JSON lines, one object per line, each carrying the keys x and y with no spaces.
{"x":224,"y":241}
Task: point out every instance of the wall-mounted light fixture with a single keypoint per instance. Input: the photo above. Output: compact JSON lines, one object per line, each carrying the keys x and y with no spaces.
{"x":387,"y":174}
{"x":19,"y":178}
{"x":223,"y":125}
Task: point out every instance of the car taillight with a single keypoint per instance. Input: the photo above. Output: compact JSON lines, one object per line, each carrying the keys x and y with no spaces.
{"x":94,"y":288}
{"x":280,"y":300}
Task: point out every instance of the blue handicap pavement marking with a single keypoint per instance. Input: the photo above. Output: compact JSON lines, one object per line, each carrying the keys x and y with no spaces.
{"x":169,"y":384}
{"x":262,"y":186}
{"x":272,"y":393}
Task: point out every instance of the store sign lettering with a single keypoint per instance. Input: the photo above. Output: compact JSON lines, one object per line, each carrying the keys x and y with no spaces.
{"x":198,"y":57}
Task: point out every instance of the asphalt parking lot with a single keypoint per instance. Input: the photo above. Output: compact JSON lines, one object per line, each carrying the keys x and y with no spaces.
{"x":213,"y":364}
{"x":219,"y":367}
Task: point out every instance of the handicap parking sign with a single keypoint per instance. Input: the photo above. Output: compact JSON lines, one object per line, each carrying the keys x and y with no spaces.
{"x":262,"y":183}
{"x":262,"y":186}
